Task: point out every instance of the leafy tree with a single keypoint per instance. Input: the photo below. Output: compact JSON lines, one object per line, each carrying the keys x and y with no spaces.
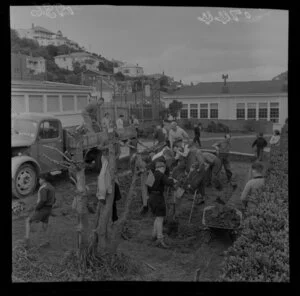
{"x":174,"y":108}
{"x":119,"y":76}
{"x":164,"y":81}
{"x":52,"y":50}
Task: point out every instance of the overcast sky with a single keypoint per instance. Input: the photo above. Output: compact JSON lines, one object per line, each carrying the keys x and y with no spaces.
{"x":175,"y":40}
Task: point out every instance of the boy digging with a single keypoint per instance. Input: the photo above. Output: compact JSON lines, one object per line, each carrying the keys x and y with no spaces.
{"x":46,"y":200}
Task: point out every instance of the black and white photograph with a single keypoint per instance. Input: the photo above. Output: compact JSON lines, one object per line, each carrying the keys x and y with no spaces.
{"x":149,"y":144}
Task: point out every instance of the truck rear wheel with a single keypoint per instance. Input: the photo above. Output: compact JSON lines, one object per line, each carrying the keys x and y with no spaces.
{"x":98,"y":163}
{"x":25,"y":181}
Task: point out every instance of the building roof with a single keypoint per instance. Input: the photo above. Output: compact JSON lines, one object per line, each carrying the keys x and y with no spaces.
{"x":36,"y":84}
{"x":236,"y":87}
{"x":130,"y":66}
{"x":38,"y":28}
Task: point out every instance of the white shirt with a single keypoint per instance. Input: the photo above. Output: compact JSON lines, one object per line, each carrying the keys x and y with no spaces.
{"x":178,"y":134}
{"x":275,"y":140}
{"x":119,"y":123}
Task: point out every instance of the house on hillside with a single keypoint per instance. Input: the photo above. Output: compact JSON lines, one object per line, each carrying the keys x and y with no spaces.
{"x":25,"y":67}
{"x":44,"y":37}
{"x":240,"y":100}
{"x":130,"y":70}
{"x":99,"y":81}
{"x":66,"y":61}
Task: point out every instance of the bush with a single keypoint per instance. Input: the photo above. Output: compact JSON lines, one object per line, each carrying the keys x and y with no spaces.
{"x":261,"y":253}
{"x":217,"y":127}
{"x":188,"y":125}
{"x":250,"y":125}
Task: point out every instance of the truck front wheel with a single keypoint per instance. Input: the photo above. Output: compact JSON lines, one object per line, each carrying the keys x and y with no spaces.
{"x":25,"y":181}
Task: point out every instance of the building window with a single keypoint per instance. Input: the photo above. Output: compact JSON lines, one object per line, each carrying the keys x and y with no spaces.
{"x":194,"y":111}
{"x":274,"y":112}
{"x":251,"y":111}
{"x":263,"y":111}
{"x":18,"y":104}
{"x":203,"y":110}
{"x":240,"y":111}
{"x":184,"y":111}
{"x":68,"y":103}
{"x":214,"y":111}
{"x":81,"y":102}
{"x":49,"y":129}
{"x":36,"y":104}
{"x":53,"y":104}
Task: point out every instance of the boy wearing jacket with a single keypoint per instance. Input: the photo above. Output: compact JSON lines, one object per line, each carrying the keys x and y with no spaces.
{"x":260,"y":144}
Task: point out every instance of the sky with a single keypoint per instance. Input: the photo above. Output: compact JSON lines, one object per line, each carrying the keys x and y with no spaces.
{"x":176,"y":40}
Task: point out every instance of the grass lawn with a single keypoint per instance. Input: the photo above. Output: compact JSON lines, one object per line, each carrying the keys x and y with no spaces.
{"x":216,"y":135}
{"x":238,"y":145}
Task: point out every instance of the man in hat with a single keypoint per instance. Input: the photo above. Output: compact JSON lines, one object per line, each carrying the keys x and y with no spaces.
{"x":89,"y":114}
{"x":176,"y":133}
{"x":45,"y":201}
{"x":157,"y":202}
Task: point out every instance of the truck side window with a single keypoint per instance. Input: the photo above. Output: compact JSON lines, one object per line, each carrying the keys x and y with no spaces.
{"x":49,"y":129}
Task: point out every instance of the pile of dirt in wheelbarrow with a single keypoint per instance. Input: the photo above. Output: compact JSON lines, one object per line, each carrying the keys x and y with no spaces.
{"x":221,"y":216}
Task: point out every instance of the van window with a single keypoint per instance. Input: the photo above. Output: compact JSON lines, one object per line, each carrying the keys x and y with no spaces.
{"x":49,"y":129}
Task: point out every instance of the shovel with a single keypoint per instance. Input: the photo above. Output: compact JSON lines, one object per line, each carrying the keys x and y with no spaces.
{"x":195,"y":194}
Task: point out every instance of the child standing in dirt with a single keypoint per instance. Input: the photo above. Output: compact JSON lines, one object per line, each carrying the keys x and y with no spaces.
{"x":157,"y":201}
{"x":223,"y":147}
{"x":260,"y":144}
{"x":46,"y":200}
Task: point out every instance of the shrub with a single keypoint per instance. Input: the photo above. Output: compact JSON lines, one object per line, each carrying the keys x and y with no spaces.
{"x":187,"y":125}
{"x":261,"y":253}
{"x":217,"y":127}
{"x":250,"y":126}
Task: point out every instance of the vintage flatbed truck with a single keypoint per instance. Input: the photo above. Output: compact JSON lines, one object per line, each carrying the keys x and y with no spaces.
{"x":31,"y":132}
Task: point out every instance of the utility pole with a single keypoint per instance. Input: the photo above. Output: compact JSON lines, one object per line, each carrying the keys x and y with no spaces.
{"x":142,"y":100}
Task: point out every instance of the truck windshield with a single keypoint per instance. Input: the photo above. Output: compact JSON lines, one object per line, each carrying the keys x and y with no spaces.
{"x":24,"y":127}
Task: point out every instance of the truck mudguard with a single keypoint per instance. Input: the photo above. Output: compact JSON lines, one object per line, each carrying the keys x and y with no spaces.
{"x":17,"y":161}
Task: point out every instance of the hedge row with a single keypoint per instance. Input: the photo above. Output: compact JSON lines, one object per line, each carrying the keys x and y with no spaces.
{"x":261,"y":252}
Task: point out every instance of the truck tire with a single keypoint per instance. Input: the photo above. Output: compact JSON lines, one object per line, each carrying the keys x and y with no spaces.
{"x":25,"y":181}
{"x":98,"y":163}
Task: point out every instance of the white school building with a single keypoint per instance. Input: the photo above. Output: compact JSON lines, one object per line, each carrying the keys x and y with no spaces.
{"x":248,"y":100}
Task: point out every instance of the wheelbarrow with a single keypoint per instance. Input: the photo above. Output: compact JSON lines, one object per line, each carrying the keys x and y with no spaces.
{"x":232,"y":231}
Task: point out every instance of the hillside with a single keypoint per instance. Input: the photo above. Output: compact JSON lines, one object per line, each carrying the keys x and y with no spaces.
{"x":54,"y":73}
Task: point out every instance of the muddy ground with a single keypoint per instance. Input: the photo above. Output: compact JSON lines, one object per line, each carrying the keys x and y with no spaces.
{"x":193,"y":248}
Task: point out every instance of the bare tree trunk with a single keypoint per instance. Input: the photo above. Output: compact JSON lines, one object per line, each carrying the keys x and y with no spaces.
{"x":106,"y":209}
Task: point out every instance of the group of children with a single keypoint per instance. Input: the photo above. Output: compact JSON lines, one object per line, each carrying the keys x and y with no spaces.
{"x":176,"y":161}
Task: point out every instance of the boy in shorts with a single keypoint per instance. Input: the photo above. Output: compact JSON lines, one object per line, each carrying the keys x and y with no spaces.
{"x":46,"y":200}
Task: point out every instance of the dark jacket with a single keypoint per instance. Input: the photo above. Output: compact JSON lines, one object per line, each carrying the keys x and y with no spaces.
{"x":47,"y":197}
{"x":197,"y":131}
{"x":159,"y":136}
{"x":260,"y":143}
{"x":151,"y":165}
{"x":161,"y":180}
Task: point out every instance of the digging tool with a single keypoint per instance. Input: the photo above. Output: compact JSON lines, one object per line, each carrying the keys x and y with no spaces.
{"x":195,"y":194}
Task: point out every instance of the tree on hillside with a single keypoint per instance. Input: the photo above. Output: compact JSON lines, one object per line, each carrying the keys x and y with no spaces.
{"x":174,"y":108}
{"x":119,"y":76}
{"x":52,"y":50}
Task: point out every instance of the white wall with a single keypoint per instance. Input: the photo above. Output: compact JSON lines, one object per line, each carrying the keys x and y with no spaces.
{"x":227,"y":105}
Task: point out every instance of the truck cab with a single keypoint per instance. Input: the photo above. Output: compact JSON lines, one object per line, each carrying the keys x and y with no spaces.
{"x":30,"y":134}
